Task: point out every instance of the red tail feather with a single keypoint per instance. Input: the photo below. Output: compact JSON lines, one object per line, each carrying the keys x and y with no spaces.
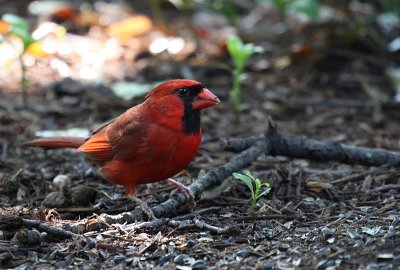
{"x":56,"y":142}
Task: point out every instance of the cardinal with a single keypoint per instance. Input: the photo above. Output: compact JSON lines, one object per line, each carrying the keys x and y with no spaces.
{"x":150,"y":142}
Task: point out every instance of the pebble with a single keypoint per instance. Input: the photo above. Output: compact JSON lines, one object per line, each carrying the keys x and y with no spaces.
{"x":191,"y":243}
{"x":327,"y":231}
{"x":243,"y":253}
{"x":61,"y":180}
{"x":119,"y":258}
{"x":183,"y":259}
{"x":205,"y":239}
{"x":283,"y":246}
{"x":323,"y":251}
{"x":231,"y":240}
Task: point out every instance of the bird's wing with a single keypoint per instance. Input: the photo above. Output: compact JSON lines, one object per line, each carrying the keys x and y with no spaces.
{"x":115,"y":138}
{"x":97,"y":148}
{"x":128,"y":133}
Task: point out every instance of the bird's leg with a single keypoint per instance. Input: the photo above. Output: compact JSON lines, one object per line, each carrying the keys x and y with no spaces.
{"x":145,"y":207}
{"x":185,"y":190}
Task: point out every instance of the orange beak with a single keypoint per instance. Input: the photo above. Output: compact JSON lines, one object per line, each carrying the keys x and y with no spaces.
{"x":205,"y":99}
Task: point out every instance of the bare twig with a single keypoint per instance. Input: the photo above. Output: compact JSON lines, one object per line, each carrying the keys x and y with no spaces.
{"x":142,"y":225}
{"x":265,"y":217}
{"x":202,"y":225}
{"x":197,"y":223}
{"x":350,"y":178}
{"x":42,"y":226}
{"x":385,"y":188}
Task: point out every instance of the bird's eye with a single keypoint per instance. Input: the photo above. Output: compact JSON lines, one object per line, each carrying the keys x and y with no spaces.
{"x":184,"y":91}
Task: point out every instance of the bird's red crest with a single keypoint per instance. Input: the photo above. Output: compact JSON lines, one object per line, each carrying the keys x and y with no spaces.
{"x":165,"y":88}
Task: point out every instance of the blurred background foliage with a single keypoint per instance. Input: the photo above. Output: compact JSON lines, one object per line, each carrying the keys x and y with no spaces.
{"x":109,"y":41}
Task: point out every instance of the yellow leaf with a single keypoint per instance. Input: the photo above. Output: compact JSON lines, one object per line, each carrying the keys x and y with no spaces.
{"x":4,"y":27}
{"x":36,"y":50}
{"x":130,"y":27}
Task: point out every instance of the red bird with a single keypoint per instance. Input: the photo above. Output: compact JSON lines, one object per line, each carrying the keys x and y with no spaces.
{"x":148,"y":143}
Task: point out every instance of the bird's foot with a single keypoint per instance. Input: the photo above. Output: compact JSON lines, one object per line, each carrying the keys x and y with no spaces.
{"x":145,"y":207}
{"x":185,"y":190}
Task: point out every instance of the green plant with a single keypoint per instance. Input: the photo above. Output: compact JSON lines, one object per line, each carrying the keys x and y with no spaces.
{"x":257,"y":188}
{"x":19,"y":27}
{"x":240,"y":53}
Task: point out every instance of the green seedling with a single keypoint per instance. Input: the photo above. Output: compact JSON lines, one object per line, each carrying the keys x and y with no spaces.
{"x":257,"y":188}
{"x":240,"y":53}
{"x":19,"y":27}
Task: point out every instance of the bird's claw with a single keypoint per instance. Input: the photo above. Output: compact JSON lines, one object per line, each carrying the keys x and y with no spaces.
{"x":186,"y":191}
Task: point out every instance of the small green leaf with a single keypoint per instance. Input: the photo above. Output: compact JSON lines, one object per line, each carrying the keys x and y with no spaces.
{"x":266,"y":190}
{"x":252,"y":182}
{"x":234,"y":45}
{"x":247,"y":180}
{"x":258,"y":49}
{"x":240,"y":53}
{"x":242,"y":76}
{"x":257,"y":183}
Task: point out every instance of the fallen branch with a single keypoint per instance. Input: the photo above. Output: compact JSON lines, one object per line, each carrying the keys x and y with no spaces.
{"x":303,"y":148}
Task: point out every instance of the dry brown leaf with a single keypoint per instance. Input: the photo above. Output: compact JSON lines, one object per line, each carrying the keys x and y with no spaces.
{"x":318,"y":186}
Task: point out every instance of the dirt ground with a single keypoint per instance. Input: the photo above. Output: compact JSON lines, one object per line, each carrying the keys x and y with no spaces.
{"x":318,"y":215}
